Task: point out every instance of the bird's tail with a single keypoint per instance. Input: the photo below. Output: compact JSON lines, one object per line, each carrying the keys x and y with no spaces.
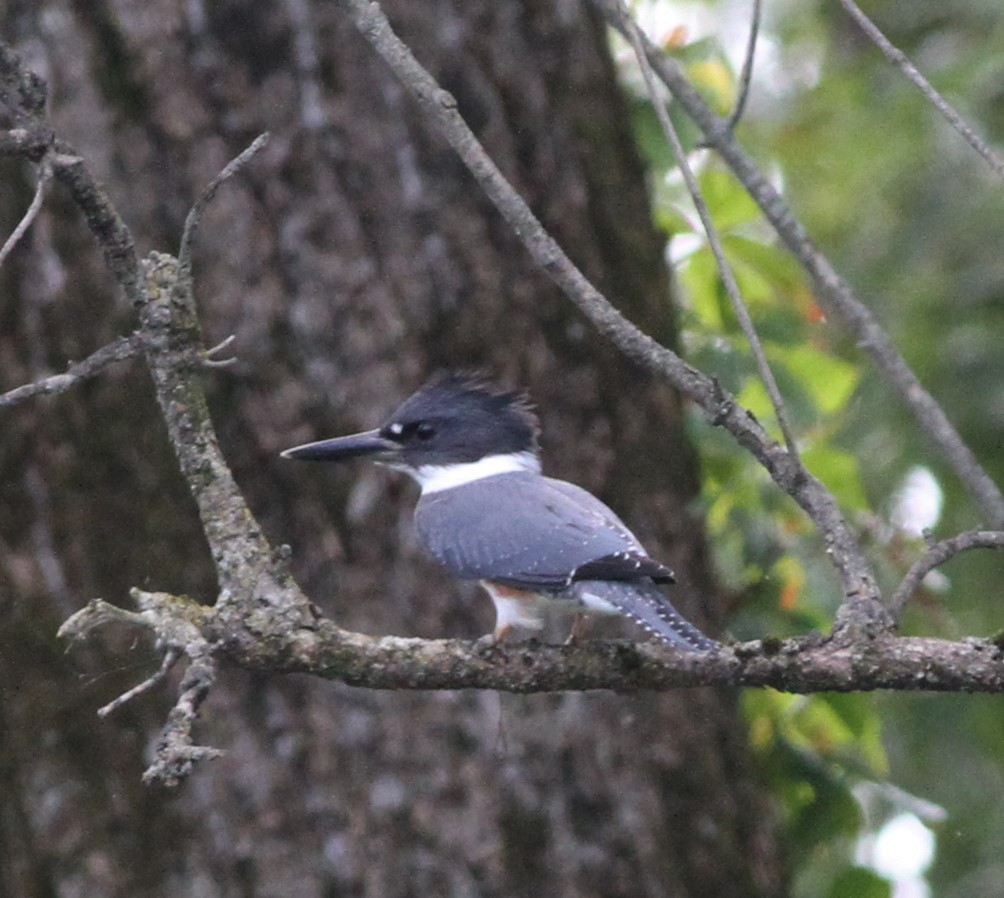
{"x":645,"y":604}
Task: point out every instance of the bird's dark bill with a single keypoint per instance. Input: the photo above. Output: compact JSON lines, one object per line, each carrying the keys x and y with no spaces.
{"x":359,"y":445}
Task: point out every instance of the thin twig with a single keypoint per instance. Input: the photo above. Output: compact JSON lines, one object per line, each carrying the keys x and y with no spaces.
{"x":116,"y":351}
{"x":194,"y":217}
{"x":167,"y":662}
{"x":99,"y":613}
{"x":210,"y":356}
{"x":746,"y":73}
{"x":714,"y":241}
{"x":105,"y":223}
{"x":899,"y":59}
{"x":177,"y":752}
{"x":936,"y":555}
{"x":44,"y":176}
{"x":833,"y":292}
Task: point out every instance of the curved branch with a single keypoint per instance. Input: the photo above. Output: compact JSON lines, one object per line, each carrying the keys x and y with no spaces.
{"x":746,"y":73}
{"x":24,"y":94}
{"x":194,"y":217}
{"x":44,"y":176}
{"x":936,"y":555}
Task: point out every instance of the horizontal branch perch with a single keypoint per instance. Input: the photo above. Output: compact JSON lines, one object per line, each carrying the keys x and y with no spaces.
{"x":321,"y":648}
{"x":392,"y":663}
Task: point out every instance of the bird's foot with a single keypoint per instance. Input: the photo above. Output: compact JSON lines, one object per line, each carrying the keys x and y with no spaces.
{"x":491,"y":640}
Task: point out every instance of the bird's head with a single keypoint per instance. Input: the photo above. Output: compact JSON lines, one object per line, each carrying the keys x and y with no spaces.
{"x":459,"y":422}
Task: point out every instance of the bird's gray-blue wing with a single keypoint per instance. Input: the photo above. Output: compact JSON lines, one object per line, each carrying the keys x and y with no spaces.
{"x":531,"y":532}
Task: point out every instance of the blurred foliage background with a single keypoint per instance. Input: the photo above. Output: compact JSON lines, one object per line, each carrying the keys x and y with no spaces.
{"x":913,"y":219}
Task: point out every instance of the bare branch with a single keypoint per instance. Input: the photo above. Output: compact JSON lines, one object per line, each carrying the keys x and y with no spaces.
{"x":109,"y":229}
{"x":804,"y":665}
{"x":177,"y":624}
{"x":173,"y":344}
{"x":936,"y":555}
{"x":44,"y":176}
{"x":167,"y":662}
{"x":96,"y":614}
{"x":29,"y":143}
{"x":833,"y":292}
{"x":899,"y":59}
{"x":194,"y":217}
{"x":718,"y":251}
{"x":904,"y":663}
{"x":24,"y":93}
{"x":746,"y":73}
{"x":171,"y":339}
{"x":116,"y":351}
{"x":209,"y":357}
{"x":176,"y":752}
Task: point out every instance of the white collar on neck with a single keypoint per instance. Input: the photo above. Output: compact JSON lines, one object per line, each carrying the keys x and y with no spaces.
{"x":435,"y":478}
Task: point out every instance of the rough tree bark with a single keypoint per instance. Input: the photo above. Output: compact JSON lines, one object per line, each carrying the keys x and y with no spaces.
{"x":358,"y":258}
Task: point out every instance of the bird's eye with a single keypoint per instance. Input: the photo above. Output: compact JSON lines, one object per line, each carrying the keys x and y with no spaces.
{"x":424,"y":430}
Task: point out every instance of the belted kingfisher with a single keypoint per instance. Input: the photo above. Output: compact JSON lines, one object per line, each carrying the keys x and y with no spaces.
{"x":487,"y":513}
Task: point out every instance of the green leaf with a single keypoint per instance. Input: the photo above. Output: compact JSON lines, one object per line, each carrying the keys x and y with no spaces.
{"x":772,"y":261}
{"x":860,"y":716}
{"x":726,"y":200}
{"x":840,"y":471}
{"x":753,"y":396}
{"x":715,"y":81}
{"x":671,"y":221}
{"x":702,"y":291}
{"x":829,"y":381}
{"x":649,"y":137}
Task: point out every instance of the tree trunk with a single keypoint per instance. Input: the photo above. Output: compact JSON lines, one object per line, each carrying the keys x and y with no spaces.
{"x":354,"y":258}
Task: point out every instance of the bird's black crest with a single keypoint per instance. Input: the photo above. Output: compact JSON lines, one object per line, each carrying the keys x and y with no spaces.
{"x":477,"y":386}
{"x":494,"y":420}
